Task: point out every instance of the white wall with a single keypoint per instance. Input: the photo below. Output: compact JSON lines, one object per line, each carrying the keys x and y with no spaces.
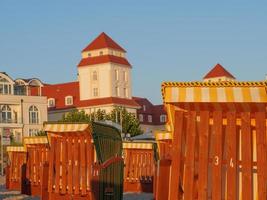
{"x":87,"y":84}
{"x":21,"y":105}
{"x":121,"y":83}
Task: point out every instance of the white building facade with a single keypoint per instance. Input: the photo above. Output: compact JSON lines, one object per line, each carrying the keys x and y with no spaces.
{"x":21,"y":113}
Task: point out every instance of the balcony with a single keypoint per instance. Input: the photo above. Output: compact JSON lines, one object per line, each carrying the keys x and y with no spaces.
{"x":10,"y":123}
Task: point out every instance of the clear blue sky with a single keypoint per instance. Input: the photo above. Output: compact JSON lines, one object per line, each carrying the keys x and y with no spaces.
{"x":165,"y":40}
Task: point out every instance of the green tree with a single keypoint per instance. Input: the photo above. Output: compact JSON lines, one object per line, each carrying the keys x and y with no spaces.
{"x":129,"y":122}
{"x":76,"y":116}
{"x":41,"y":133}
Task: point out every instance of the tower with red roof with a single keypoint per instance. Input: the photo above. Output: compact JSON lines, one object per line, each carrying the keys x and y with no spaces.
{"x":104,"y":70}
{"x":104,"y":82}
{"x":218,"y":73}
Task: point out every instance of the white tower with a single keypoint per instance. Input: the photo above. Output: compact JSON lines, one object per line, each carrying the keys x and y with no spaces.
{"x":104,"y":70}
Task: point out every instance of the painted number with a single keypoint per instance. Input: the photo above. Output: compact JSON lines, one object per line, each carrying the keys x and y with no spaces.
{"x":216,"y":160}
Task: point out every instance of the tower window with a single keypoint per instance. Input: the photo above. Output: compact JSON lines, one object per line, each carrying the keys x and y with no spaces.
{"x":95,"y":92}
{"x":125,"y":92}
{"x":94,"y":76}
{"x":101,"y":53}
{"x":117,"y":90}
{"x":89,"y":54}
{"x":125,"y":76}
{"x":116,"y":74}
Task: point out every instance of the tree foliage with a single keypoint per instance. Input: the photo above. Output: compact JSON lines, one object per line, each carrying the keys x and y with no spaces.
{"x":129,"y":122}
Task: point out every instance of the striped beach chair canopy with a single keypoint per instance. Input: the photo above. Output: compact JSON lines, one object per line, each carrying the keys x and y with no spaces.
{"x":225,"y":96}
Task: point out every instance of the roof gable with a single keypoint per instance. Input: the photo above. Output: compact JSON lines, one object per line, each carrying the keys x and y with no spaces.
{"x":103,"y":41}
{"x":218,"y":71}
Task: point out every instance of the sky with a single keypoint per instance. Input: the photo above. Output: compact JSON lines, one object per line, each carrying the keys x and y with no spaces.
{"x":165,"y":40}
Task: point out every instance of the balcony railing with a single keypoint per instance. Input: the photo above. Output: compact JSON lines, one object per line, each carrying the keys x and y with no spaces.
{"x":9,"y":121}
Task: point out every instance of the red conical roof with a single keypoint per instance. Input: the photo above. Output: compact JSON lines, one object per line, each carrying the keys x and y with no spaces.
{"x":103,"y":41}
{"x":218,"y":71}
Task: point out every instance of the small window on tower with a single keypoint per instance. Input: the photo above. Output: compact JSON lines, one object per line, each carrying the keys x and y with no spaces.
{"x":89,"y":54}
{"x":125,"y":76}
{"x":101,"y":53}
{"x":117,"y":90}
{"x":95,"y":76}
{"x":116,"y":74}
{"x":95,"y":92}
{"x":125,"y":92}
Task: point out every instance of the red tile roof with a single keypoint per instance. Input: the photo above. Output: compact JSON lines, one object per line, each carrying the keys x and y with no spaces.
{"x":103,"y":59}
{"x":60,"y":91}
{"x":103,"y":41}
{"x":218,"y":71}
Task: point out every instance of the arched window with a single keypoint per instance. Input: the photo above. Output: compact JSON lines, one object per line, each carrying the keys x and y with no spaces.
{"x":6,"y":114}
{"x":94,"y":75}
{"x":5,"y":86}
{"x":33,"y":115}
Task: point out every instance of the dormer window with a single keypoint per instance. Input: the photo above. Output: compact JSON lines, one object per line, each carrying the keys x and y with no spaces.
{"x":68,"y":100}
{"x":51,"y":103}
{"x":5,"y":84}
{"x":101,"y":53}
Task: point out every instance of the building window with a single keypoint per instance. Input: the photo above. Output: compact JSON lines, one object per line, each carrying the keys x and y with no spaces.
{"x":125,"y":92}
{"x":51,"y":102}
{"x":163,"y":118}
{"x":69,"y":100}
{"x":117,"y":91}
{"x":116,"y":74}
{"x":144,"y":107}
{"x":89,"y":54}
{"x":101,"y":53}
{"x":141,"y":118}
{"x":33,"y":132}
{"x":149,"y":118}
{"x":33,"y":115}
{"x":95,"y":92}
{"x":125,"y":76}
{"x":5,"y":86}
{"x":94,"y":75}
{"x":6,"y":114}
